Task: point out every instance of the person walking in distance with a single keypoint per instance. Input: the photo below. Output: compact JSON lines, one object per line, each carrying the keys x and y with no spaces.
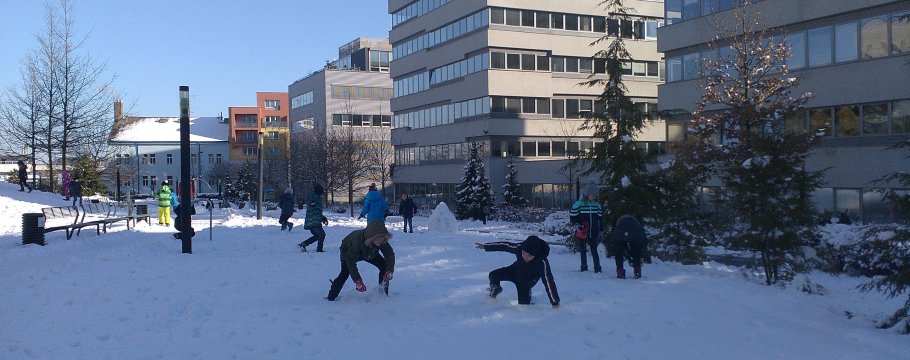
{"x":406,"y":209}
{"x":365,"y":245}
{"x":286,"y":204}
{"x":530,"y":267}
{"x":586,"y":215}
{"x":23,"y":177}
{"x":76,"y":189}
{"x":314,"y":220}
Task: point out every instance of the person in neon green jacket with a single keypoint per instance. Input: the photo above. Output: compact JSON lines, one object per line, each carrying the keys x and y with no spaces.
{"x":164,"y":196}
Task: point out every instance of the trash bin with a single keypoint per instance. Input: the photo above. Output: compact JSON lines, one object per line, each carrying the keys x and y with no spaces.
{"x":142,"y":212}
{"x":33,"y":228}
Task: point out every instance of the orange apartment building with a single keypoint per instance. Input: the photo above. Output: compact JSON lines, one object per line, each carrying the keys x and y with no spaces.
{"x":269,"y":117}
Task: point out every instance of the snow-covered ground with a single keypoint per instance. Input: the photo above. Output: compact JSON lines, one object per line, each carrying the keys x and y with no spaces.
{"x":250,"y":294}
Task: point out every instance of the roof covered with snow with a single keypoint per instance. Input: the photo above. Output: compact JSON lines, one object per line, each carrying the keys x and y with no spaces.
{"x":167,"y":129}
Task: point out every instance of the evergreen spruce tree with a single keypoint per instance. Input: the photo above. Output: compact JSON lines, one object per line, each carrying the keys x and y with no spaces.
{"x":887,"y":258}
{"x":246,"y":179}
{"x":90,"y":177}
{"x":511,"y":191}
{"x":622,"y":167}
{"x":473,"y":195}
{"x":766,"y":186}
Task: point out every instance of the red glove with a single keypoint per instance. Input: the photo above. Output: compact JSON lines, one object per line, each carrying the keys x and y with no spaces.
{"x":360,"y":286}
{"x":388,"y":276}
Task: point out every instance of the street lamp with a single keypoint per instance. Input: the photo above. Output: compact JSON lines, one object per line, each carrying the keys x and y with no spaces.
{"x":259,"y":196}
{"x":186,"y":233}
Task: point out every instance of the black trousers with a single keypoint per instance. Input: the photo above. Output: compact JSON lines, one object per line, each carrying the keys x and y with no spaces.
{"x":508,"y":274}
{"x":378,"y":261}
{"x":318,"y":236}
{"x":409,"y":223}
{"x":23,"y":183}
{"x":583,"y":245}
{"x":623,"y":250}
{"x":283,"y":219}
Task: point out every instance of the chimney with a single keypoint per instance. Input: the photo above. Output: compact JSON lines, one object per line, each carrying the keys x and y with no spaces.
{"x":118,"y":110}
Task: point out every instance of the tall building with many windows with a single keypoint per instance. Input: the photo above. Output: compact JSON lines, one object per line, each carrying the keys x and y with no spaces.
{"x":854,"y":56}
{"x":269,"y":117}
{"x":506,"y":74}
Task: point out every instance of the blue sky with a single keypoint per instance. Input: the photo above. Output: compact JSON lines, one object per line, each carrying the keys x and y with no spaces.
{"x":224,"y":50}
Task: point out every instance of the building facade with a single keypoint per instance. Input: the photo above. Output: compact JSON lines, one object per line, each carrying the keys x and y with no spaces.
{"x":351,"y":91}
{"x":148,"y":152}
{"x":854,"y":56}
{"x":506,"y":74}
{"x":270,"y":118}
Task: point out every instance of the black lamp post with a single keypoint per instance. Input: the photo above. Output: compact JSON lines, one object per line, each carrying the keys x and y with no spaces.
{"x":184,"y":220}
{"x":259,"y":195}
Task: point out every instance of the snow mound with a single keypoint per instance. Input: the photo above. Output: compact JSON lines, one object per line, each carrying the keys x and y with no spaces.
{"x":443,"y":220}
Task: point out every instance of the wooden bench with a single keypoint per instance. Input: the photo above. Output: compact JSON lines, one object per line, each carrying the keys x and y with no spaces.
{"x":61,"y":218}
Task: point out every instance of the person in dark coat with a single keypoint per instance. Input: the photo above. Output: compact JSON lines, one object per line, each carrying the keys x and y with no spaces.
{"x":286,"y":204}
{"x":374,"y":205}
{"x":629,"y":242}
{"x":407,"y":209}
{"x":531,"y":266}
{"x":365,"y":245}
{"x":178,"y":209}
{"x":314,"y":220}
{"x":586,"y":215}
{"x":23,"y":177}
{"x":76,"y":190}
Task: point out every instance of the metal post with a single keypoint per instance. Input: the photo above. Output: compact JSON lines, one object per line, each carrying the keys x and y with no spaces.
{"x":185,"y":210}
{"x":118,"y":180}
{"x":259,"y":197}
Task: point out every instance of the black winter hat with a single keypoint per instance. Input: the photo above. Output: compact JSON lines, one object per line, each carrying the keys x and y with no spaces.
{"x":532,"y":245}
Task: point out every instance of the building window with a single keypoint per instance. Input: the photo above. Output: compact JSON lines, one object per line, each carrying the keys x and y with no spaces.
{"x":169,"y":159}
{"x":900,"y":117}
{"x":154,"y":181}
{"x":900,"y":33}
{"x":211,"y":158}
{"x":145,"y":181}
{"x":218,"y":158}
{"x":152,"y":159}
{"x":249,"y":136}
{"x":820,"y":121}
{"x":273,"y":135}
{"x":513,"y":61}
{"x":273,"y":151}
{"x":797,"y":42}
{"x":875,"y":119}
{"x":302,"y":100}
{"x":250,"y":151}
{"x":513,"y":17}
{"x":846,"y":120}
{"x":193,"y":159}
{"x":820,"y":46}
{"x":845,"y":42}
{"x":874,"y":37}
{"x":273,"y":104}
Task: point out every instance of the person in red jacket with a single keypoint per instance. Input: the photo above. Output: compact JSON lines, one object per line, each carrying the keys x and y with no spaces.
{"x":530,"y":267}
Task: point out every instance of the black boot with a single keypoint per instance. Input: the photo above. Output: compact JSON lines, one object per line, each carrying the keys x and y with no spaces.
{"x":637,"y":270}
{"x":620,"y":273}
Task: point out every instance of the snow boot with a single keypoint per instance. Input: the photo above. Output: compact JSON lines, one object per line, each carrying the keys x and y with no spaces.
{"x":620,"y":273}
{"x":637,"y":270}
{"x":385,"y":287}
{"x":302,"y":247}
{"x":597,"y":269}
{"x":584,"y":268}
{"x":290,"y":226}
{"x":494,"y":291}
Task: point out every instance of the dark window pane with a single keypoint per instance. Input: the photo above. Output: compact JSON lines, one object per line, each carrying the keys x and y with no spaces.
{"x":556,"y":21}
{"x":846,"y":118}
{"x":497,"y":16}
{"x":600,"y":24}
{"x":613,"y":27}
{"x":543,"y":19}
{"x":497,"y":104}
{"x":559,"y":149}
{"x":543,"y":106}
{"x":543,"y":63}
{"x":900,"y":117}
{"x":600,"y":66}
{"x":513,"y":61}
{"x":559,"y":64}
{"x":652,"y":68}
{"x":527,"y":18}
{"x":571,"y":22}
{"x":543,"y":148}
{"x":572,"y":109}
{"x":514,"y":148}
{"x":513,"y":105}
{"x":528,"y":148}
{"x":559,"y":108}
{"x":571,"y":64}
{"x":875,"y":119}
{"x":585,"y":65}
{"x":528,"y":105}
{"x":497,"y":60}
{"x":513,"y":17}
{"x":573,"y":148}
{"x":527,"y":62}
{"x":626,"y":29}
{"x":584,"y":23}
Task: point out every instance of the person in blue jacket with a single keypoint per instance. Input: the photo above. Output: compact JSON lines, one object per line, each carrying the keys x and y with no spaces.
{"x":374,"y":206}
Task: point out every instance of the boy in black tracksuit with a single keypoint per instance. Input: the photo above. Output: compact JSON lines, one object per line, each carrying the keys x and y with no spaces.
{"x":629,"y":241}
{"x":531,"y":266}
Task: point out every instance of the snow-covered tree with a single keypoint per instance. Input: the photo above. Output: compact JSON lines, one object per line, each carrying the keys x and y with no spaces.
{"x":766,"y":186}
{"x":474,"y":195}
{"x":622,"y":167}
{"x":511,"y":191}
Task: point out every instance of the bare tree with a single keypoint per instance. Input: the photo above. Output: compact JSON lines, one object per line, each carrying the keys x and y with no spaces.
{"x":20,"y":115}
{"x":379,"y":154}
{"x":568,"y":132}
{"x":350,"y":159}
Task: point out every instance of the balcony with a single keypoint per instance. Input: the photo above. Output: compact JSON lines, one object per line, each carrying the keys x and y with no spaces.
{"x":245,"y":125}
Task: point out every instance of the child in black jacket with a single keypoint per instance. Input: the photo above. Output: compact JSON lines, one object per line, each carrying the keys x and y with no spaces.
{"x":531,"y":266}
